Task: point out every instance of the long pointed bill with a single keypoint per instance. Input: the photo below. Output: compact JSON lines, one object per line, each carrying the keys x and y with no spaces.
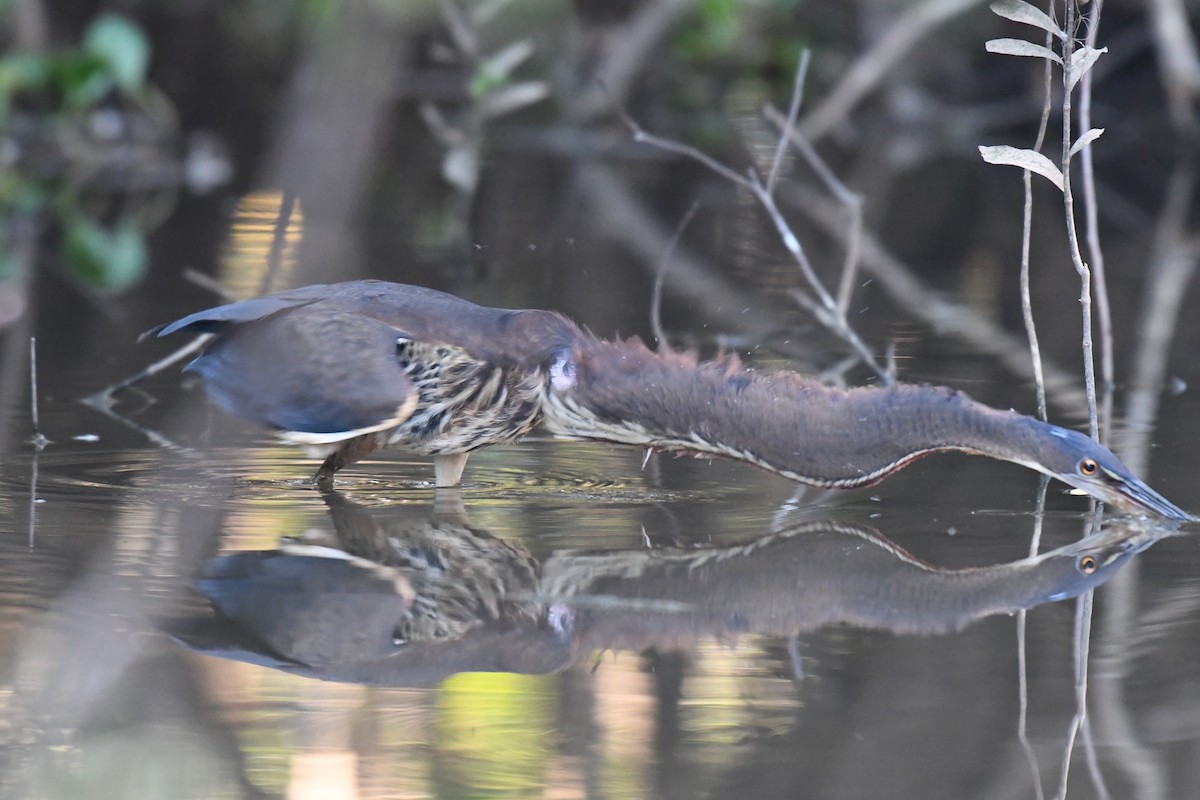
{"x":1130,"y":494}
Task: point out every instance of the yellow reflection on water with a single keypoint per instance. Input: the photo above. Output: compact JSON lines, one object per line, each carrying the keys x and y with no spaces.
{"x":244,"y":263}
{"x":494,"y":734}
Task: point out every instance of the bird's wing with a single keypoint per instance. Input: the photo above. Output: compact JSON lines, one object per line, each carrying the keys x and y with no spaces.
{"x":318,"y":374}
{"x":211,"y":320}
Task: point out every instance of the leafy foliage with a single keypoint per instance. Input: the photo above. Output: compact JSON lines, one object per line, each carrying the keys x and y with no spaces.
{"x":1076,"y":61}
{"x":59,"y":90}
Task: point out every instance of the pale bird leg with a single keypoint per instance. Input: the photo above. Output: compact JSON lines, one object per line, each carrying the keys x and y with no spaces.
{"x":448,"y":469}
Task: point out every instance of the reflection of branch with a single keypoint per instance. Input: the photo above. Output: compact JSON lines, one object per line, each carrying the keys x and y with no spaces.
{"x":874,"y":66}
{"x":103,"y":399}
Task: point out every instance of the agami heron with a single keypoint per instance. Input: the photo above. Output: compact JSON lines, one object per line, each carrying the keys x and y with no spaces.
{"x":350,"y":367}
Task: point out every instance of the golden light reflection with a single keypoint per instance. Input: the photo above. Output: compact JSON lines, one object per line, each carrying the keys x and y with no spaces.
{"x":494,"y":734}
{"x":245,"y":260}
{"x":625,"y":710}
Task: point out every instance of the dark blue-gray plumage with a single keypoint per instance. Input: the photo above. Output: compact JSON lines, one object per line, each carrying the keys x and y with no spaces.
{"x":355,"y":366}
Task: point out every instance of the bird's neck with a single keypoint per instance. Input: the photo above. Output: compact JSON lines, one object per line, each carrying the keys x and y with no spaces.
{"x":622,"y":391}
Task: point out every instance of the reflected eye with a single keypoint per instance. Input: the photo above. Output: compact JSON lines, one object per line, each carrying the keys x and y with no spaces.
{"x":1088,"y":564}
{"x":1088,"y":467}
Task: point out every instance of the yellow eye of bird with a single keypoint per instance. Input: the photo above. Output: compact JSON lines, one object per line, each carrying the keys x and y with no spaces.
{"x":1088,"y":467}
{"x":1088,"y":564}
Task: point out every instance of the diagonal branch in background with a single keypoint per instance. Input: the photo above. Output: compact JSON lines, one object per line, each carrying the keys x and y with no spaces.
{"x":824,"y":308}
{"x":628,"y":221}
{"x":623,"y":55}
{"x":851,"y":201}
{"x":923,"y":302}
{"x":873,"y":67}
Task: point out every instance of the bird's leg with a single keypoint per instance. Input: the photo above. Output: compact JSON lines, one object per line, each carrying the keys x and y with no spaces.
{"x":350,"y":451}
{"x":448,"y":469}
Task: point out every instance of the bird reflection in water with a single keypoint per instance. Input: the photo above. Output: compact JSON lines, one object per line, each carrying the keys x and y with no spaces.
{"x":397,"y":597}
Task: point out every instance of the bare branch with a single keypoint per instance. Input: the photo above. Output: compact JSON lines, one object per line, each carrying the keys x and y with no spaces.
{"x":829,"y":316}
{"x":1085,"y":275}
{"x":39,"y":439}
{"x":790,"y":123}
{"x":678,"y":148}
{"x":876,"y":64}
{"x":1091,"y":209}
{"x":924,"y":302}
{"x":1035,"y":350}
{"x":851,"y":200}
{"x":660,"y":275}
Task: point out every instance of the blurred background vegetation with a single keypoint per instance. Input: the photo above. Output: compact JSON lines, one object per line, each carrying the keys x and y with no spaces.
{"x":478,"y":147}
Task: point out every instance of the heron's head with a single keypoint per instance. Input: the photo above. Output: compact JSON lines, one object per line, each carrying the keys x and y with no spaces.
{"x":1091,"y":467}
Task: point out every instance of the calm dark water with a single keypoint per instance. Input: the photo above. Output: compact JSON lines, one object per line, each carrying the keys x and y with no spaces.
{"x":183,"y":615}
{"x":584,"y":627}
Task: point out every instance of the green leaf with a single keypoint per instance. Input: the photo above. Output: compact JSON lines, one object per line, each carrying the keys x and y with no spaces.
{"x":109,"y":262}
{"x":1020,"y":11}
{"x":121,"y":47}
{"x":83,"y":80}
{"x":8,"y":263}
{"x":1020,"y":47}
{"x":24,"y":71}
{"x":1031,"y":160}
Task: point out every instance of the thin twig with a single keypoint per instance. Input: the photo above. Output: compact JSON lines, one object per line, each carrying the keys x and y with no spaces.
{"x":852,"y":201}
{"x":828,"y":315}
{"x":633,"y":224}
{"x":39,"y":440}
{"x":924,"y":302}
{"x":104,"y":398}
{"x":1091,"y":215}
{"x":622,"y":57}
{"x":1085,"y":275}
{"x":792,"y":244}
{"x":287,"y":202}
{"x":208,"y":284}
{"x":678,"y":148}
{"x":1035,"y":350}
{"x":660,"y":276}
{"x":873,"y":67}
{"x":789,"y":124}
